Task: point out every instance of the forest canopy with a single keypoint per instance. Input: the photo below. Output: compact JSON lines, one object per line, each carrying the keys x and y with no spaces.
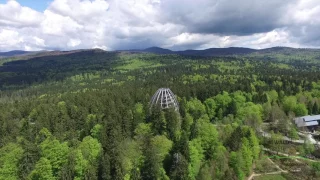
{"x":86,"y":115}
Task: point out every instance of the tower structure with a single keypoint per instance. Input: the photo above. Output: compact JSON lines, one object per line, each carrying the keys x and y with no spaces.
{"x":164,"y":98}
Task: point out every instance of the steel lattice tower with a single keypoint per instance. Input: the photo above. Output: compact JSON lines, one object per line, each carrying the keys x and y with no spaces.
{"x":165,"y":98}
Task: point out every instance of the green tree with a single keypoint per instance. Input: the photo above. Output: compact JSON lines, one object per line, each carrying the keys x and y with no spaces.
{"x":266,"y":111}
{"x":310,"y":107}
{"x":272,"y":96}
{"x":96,"y":131}
{"x":289,"y":103}
{"x":220,"y":162}
{"x":80,"y":165}
{"x":138,"y":114}
{"x":86,"y":158}
{"x":251,"y":114}
{"x":179,"y":169}
{"x":308,"y":147}
{"x":254,"y":145}
{"x":131,"y":158}
{"x":196,"y":155}
{"x":293,"y":134}
{"x":300,"y":110}
{"x":211,"y":107}
{"x":238,"y":100}
{"x":316,"y":169}
{"x":42,"y":171}
{"x":223,"y":101}
{"x":237,"y":164}
{"x":207,"y":134}
{"x":161,"y":145}
{"x":155,"y":154}
{"x":315,"y":108}
{"x":54,"y":151}
{"x":205,"y":172}
{"x":173,"y":124}
{"x":187,"y":121}
{"x":196,"y":108}
{"x":91,"y":120}
{"x":90,"y":148}
{"x":143,"y":132}
{"x":10,"y":155}
{"x":159,"y":123}
{"x":247,"y":156}
{"x":29,"y":158}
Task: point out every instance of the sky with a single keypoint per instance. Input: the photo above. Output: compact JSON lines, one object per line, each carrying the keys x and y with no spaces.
{"x":174,"y":24}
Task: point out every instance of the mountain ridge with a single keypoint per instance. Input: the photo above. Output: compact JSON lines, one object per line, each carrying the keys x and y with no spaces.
{"x":14,"y":53}
{"x":159,"y":50}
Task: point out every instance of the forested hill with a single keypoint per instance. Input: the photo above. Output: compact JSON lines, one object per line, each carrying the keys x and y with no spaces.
{"x":226,"y":51}
{"x":158,"y":50}
{"x":58,"y":65}
{"x":85,"y":115}
{"x":13,"y":53}
{"x":206,"y":52}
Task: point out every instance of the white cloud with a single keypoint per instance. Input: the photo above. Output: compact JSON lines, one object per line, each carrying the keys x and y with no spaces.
{"x":74,"y":42}
{"x":178,"y":24}
{"x":39,"y":42}
{"x":192,"y":40}
{"x":56,"y":24}
{"x":271,"y":37}
{"x":9,"y":38}
{"x":306,"y":12}
{"x":84,"y":11}
{"x":14,"y":15}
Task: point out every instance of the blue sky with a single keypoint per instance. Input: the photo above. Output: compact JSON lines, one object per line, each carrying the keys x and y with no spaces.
{"x":39,"y":5}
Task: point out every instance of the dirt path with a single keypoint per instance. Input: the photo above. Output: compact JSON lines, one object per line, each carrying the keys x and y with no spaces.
{"x":287,"y":155}
{"x":277,"y":166}
{"x":275,"y":172}
{"x":270,"y":173}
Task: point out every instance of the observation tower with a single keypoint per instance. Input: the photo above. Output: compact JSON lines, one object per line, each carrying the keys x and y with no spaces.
{"x":164,"y":98}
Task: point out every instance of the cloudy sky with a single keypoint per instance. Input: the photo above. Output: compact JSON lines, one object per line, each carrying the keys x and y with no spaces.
{"x":173,"y":24}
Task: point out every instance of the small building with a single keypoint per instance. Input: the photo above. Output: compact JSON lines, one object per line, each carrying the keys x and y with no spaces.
{"x":310,"y":122}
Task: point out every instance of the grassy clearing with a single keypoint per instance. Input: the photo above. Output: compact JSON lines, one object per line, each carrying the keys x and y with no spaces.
{"x":281,"y":66}
{"x":4,"y":60}
{"x":137,"y":64}
{"x":225,"y":66}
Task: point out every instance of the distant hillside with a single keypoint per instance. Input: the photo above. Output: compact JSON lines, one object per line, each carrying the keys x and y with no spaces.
{"x":155,"y":50}
{"x":205,"y":52}
{"x":158,"y":50}
{"x":218,"y":51}
{"x":14,"y":53}
{"x":228,"y":51}
{"x":34,"y":54}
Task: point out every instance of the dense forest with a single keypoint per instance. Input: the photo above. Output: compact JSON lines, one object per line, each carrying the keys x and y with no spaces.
{"x":86,"y":115}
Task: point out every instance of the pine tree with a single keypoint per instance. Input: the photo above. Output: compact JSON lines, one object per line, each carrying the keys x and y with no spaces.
{"x":310,"y":107}
{"x":315,"y":108}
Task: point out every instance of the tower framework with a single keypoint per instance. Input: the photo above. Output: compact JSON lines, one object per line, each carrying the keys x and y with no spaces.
{"x":165,"y":98}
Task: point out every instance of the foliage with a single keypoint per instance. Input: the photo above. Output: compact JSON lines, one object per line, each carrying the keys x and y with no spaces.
{"x":10,"y":155}
{"x":42,"y":170}
{"x":86,"y":115}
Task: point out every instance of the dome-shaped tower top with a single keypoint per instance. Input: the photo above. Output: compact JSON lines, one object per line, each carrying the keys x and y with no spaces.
{"x":165,"y":98}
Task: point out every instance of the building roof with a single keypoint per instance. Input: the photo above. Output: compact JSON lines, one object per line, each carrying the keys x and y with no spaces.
{"x":307,"y":120}
{"x":311,"y":123}
{"x":311,"y":118}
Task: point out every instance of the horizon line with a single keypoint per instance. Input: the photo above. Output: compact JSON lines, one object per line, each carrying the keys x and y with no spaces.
{"x":165,"y":49}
